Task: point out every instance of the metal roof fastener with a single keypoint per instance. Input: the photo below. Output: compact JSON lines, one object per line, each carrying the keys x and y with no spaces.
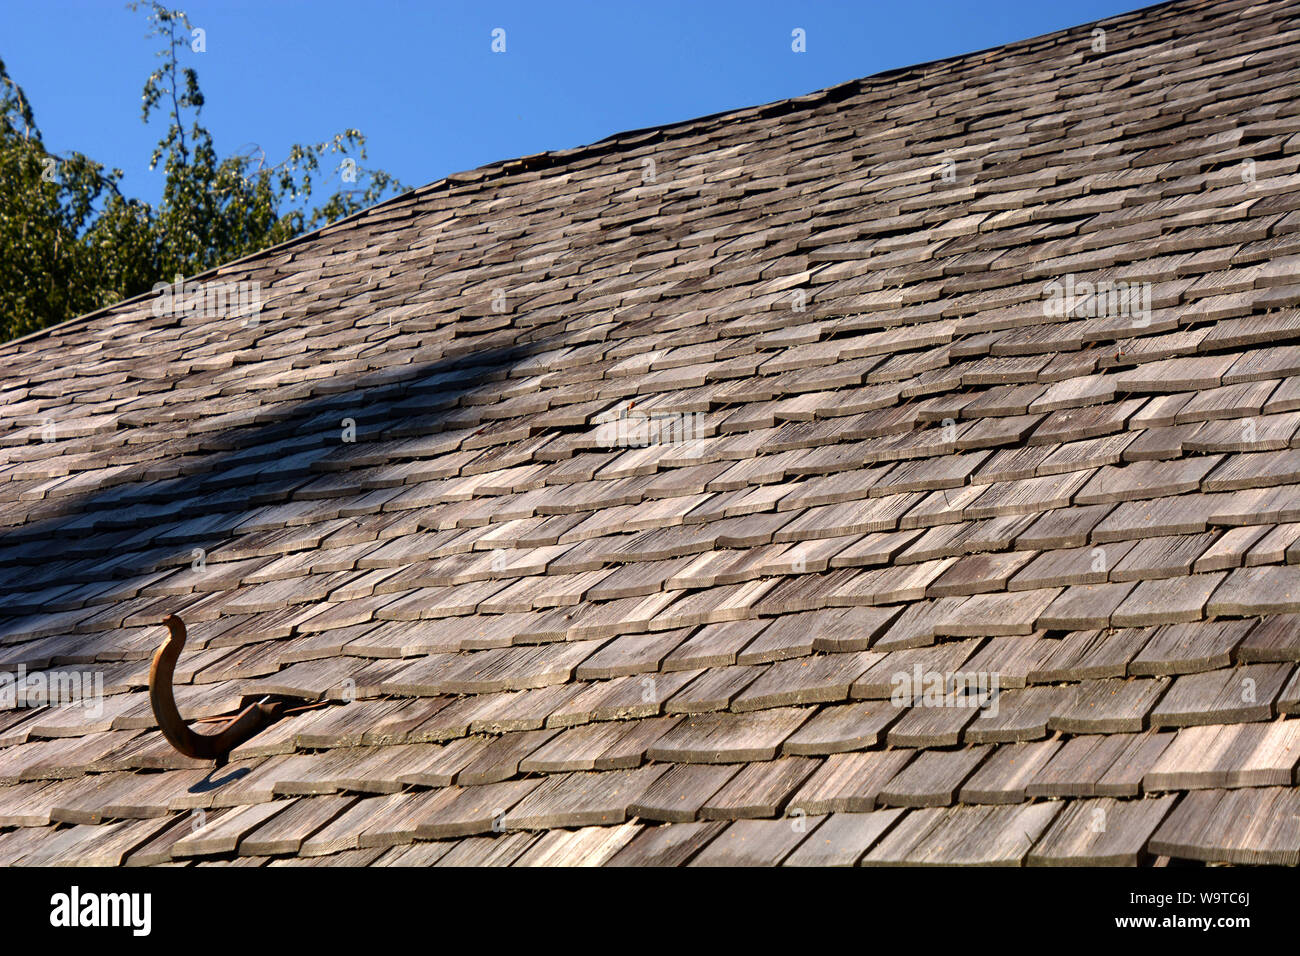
{"x":216,"y":746}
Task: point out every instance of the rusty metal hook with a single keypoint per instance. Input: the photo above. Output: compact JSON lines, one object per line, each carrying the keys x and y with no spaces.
{"x":200,"y":746}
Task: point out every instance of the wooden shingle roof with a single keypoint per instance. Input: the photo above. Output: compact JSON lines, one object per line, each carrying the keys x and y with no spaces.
{"x":908,"y":473}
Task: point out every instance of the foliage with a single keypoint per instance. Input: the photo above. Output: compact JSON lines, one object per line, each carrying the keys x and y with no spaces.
{"x":70,"y":242}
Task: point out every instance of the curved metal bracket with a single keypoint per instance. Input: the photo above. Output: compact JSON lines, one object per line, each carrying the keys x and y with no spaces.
{"x":200,"y":746}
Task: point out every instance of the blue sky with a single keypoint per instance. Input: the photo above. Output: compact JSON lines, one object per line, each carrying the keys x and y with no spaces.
{"x":421,"y":81}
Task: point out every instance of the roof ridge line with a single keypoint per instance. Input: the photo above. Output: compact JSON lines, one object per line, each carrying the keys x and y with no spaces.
{"x":548,"y":159}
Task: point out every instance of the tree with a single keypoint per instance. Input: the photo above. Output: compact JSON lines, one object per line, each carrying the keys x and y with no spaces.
{"x":70,"y":242}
